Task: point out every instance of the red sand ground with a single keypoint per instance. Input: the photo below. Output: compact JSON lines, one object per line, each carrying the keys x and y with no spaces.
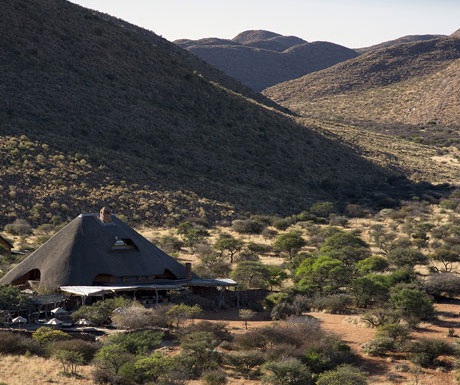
{"x":381,"y":369}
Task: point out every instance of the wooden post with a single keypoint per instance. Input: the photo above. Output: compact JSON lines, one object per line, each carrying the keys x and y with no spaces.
{"x":156,"y":297}
{"x":221,"y":294}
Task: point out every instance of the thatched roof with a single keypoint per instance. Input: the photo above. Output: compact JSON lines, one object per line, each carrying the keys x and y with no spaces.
{"x":6,"y":242}
{"x":88,"y":247}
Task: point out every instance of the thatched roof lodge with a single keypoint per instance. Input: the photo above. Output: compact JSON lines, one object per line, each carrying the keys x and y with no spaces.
{"x":97,"y":253}
{"x":6,"y":244}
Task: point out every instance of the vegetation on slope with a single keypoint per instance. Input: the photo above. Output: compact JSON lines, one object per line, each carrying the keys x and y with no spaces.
{"x":401,"y":40}
{"x":415,"y":83}
{"x":94,"y":111}
{"x":261,"y":58}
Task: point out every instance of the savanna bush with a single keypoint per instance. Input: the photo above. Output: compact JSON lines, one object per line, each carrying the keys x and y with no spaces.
{"x":248,"y":226}
{"x":86,"y":349}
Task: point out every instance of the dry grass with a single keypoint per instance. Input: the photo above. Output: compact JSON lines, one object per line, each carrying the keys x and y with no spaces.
{"x":21,"y":370}
{"x":416,"y":161}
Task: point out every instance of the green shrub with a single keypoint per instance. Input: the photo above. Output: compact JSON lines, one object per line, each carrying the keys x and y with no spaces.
{"x":449,"y":204}
{"x":289,"y":243}
{"x":198,"y":352}
{"x":13,"y":343}
{"x":326,"y":353}
{"x":69,"y":359}
{"x":443,"y":285}
{"x":112,"y":357}
{"x":226,"y":244}
{"x":425,"y":351}
{"x":248,"y":226}
{"x":322,"y":274}
{"x":412,"y":303}
{"x":282,"y":224}
{"x":11,"y":298}
{"x":378,"y":346}
{"x":269,"y":233}
{"x":334,"y":304}
{"x":177,"y":314}
{"x":289,"y":371}
{"x":217,"y":329}
{"x":395,"y":331}
{"x":85,"y":348}
{"x":251,"y":274}
{"x":153,"y":367}
{"x":135,"y":316}
{"x":46,"y":335}
{"x":170,"y":243}
{"x":322,"y":209}
{"x":372,"y":264}
{"x":259,"y":248}
{"x":214,"y":377}
{"x":370,"y":290}
{"x":244,"y":361}
{"x":104,"y":376}
{"x":282,"y":310}
{"x":343,"y":375}
{"x":19,"y":227}
{"x":100,"y":312}
{"x":402,"y":257}
{"x":139,"y":342}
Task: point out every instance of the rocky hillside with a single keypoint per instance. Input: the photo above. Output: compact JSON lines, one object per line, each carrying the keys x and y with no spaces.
{"x":261,"y":59}
{"x":96,"y":111}
{"x":401,"y":40}
{"x":415,"y":84}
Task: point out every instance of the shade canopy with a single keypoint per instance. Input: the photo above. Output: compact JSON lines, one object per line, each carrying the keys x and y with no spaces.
{"x":54,"y":321}
{"x":87,"y":291}
{"x":58,"y":311}
{"x":19,"y":320}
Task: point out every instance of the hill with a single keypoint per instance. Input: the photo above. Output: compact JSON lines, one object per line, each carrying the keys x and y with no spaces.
{"x":401,"y":40}
{"x":253,"y":36}
{"x":456,"y":33}
{"x":415,"y":84}
{"x":96,"y":111}
{"x":261,"y":59}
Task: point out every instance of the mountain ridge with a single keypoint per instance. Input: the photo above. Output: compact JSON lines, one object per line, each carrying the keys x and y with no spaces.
{"x":400,"y":40}
{"x":392,"y":84}
{"x":260,"y":59}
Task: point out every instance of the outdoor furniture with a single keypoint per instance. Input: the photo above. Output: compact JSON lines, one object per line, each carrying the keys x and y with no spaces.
{"x":83,"y":322}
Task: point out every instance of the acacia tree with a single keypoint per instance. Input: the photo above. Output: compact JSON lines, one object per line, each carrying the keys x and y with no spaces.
{"x":227,"y":244}
{"x":412,"y":303}
{"x":322,"y":274}
{"x":245,"y":315}
{"x":446,"y":258}
{"x":405,"y":257}
{"x":251,"y":274}
{"x":277,"y":276}
{"x":70,"y":360}
{"x":347,"y":247}
{"x":290,"y":243}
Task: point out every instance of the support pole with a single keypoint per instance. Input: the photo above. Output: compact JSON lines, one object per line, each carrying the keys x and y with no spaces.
{"x":221,"y":295}
{"x":156,"y":297}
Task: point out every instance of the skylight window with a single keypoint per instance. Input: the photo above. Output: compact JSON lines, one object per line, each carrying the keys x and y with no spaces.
{"x":123,"y":244}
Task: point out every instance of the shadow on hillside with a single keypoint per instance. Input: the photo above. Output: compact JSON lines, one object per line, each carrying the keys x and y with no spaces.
{"x":156,"y":121}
